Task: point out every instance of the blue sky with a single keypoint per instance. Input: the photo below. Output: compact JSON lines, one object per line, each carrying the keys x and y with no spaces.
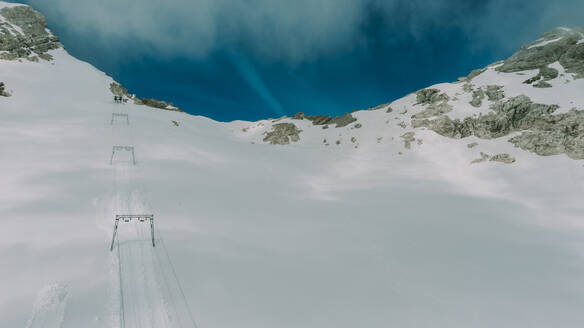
{"x":254,"y":59}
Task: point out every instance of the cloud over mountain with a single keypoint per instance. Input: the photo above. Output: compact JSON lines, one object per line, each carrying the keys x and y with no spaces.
{"x":296,"y":31}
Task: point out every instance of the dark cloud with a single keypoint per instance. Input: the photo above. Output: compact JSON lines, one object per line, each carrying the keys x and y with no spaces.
{"x":302,"y":29}
{"x":251,"y":59}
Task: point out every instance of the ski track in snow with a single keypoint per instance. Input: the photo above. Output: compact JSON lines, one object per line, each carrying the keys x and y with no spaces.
{"x":149,"y":293}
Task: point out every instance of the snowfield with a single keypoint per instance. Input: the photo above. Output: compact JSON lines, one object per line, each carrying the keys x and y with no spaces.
{"x":250,"y":234}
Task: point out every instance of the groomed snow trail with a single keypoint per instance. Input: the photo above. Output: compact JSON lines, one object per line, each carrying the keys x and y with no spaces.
{"x":150,"y":295}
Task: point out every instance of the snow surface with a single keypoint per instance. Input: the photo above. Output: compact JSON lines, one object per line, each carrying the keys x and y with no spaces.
{"x":544,"y":42}
{"x":256,"y":235}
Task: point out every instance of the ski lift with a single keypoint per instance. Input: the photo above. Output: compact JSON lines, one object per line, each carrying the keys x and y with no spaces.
{"x":128,"y":218}
{"x":120,"y":115}
{"x":125,"y":148}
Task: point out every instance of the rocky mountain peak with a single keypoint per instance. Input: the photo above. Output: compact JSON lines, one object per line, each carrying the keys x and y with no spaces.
{"x":24,"y":34}
{"x":562,"y":44}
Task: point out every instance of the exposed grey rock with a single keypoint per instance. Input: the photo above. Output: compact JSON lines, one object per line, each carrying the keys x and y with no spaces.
{"x":502,"y":158}
{"x":545,"y":73}
{"x":573,"y":60}
{"x":548,"y":73}
{"x":474,"y":74}
{"x":556,"y":134}
{"x":532,"y":79}
{"x":542,"y":84}
{"x":495,"y":92}
{"x":545,"y":133}
{"x":484,"y":158}
{"x":402,"y":125}
{"x":566,"y":50}
{"x":477,"y":98}
{"x":516,"y":114}
{"x":33,"y":41}
{"x":353,"y":139}
{"x":340,"y":121}
{"x":3,"y":92}
{"x":467,"y":87}
{"x":408,"y":139}
{"x":357,"y":126}
{"x":118,"y":90}
{"x":389,"y":110}
{"x":472,"y":144}
{"x":282,"y":134}
{"x":433,"y":110}
{"x":430,"y":96}
{"x":158,"y":104}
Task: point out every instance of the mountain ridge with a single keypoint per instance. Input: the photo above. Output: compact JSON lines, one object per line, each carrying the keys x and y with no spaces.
{"x":25,"y":36}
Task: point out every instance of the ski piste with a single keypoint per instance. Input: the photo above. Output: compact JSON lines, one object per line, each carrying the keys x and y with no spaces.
{"x":150,"y":293}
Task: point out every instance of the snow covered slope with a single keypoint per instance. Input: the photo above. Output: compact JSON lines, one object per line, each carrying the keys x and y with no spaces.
{"x":373,"y":224}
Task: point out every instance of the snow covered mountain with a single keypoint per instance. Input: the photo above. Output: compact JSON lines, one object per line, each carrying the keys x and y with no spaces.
{"x":459,"y":205}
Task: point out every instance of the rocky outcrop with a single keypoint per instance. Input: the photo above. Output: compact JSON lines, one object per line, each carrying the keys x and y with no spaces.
{"x":282,"y":134}
{"x":545,"y":74}
{"x":484,"y":158}
{"x":548,"y":134}
{"x":474,"y":74}
{"x":3,"y":92}
{"x":24,"y":34}
{"x":156,"y":104}
{"x":430,"y":96}
{"x":516,"y":114}
{"x":561,"y":44}
{"x":433,"y":110}
{"x":340,"y":121}
{"x":495,"y":92}
{"x":501,"y":158}
{"x":437,"y":103}
{"x":477,"y":98}
{"x":118,"y":90}
{"x":408,"y":139}
{"x":555,"y":134}
{"x":542,"y":84}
